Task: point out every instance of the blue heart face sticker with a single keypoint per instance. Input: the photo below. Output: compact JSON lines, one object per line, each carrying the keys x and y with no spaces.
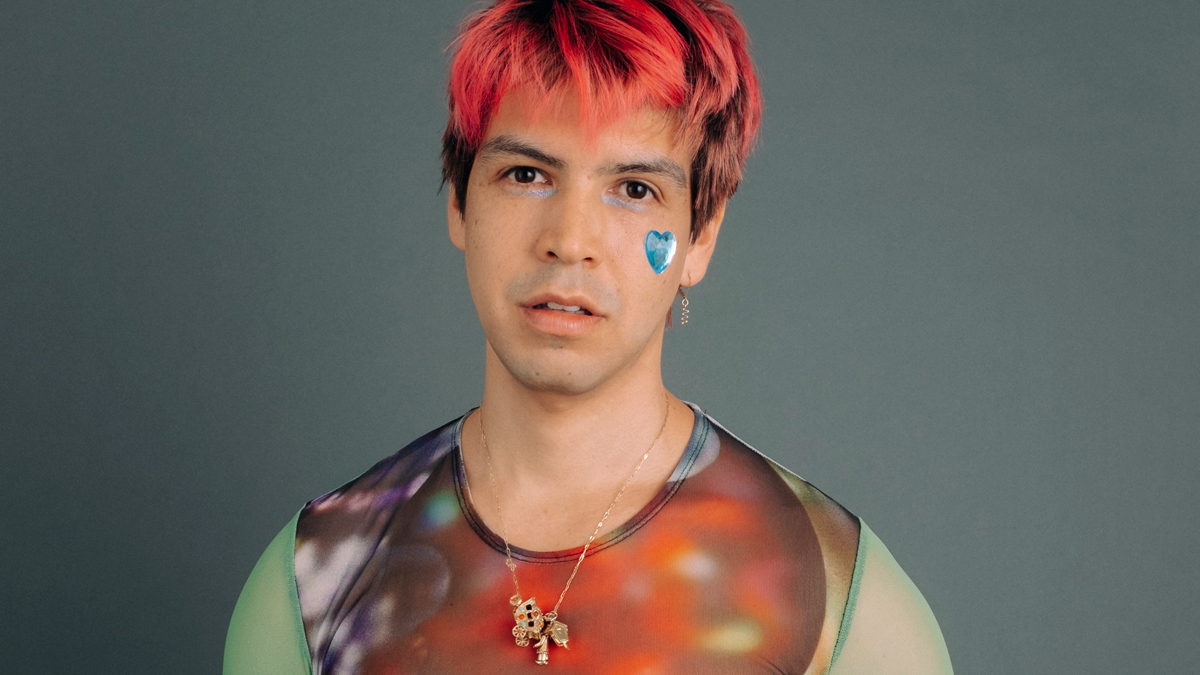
{"x":660,"y":249}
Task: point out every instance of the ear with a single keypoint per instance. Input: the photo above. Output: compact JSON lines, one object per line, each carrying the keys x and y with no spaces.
{"x":456,"y":220}
{"x":700,"y":251}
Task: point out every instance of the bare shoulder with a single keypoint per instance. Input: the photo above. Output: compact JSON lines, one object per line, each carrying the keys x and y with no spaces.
{"x":890,"y":629}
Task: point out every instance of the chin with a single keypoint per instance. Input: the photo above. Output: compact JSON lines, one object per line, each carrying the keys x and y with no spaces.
{"x":551,"y":375}
{"x":537,"y":377}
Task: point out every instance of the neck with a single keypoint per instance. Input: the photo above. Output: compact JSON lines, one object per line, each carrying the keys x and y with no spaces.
{"x":570,"y":454}
{"x":570,"y":438}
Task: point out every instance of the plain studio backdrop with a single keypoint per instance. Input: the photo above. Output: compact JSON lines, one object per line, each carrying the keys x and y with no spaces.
{"x":959,"y":291}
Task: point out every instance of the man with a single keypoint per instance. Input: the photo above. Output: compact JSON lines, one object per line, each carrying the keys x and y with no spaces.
{"x":582,"y":517}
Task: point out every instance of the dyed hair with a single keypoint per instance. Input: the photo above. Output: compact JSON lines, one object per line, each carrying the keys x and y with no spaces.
{"x":688,"y":57}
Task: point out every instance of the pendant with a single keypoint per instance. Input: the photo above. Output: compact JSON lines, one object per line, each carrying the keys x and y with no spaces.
{"x":533,"y":625}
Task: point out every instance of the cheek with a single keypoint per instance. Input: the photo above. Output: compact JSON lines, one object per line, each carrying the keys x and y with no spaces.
{"x":485,"y":260}
{"x":648,"y":294}
{"x":498,"y":255}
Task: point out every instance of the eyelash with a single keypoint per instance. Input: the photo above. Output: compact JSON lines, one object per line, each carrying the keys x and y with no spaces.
{"x":508,"y":173}
{"x":651,"y":193}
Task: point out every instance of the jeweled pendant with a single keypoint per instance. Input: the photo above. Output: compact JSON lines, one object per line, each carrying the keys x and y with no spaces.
{"x":532,"y":624}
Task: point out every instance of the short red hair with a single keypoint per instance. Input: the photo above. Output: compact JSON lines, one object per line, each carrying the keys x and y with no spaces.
{"x":686,"y":56}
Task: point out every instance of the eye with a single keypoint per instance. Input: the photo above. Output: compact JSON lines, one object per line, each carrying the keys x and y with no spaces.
{"x":523,"y":174}
{"x":637,"y":190}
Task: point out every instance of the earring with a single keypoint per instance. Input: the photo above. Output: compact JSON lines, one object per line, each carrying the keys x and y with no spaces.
{"x":683,"y":313}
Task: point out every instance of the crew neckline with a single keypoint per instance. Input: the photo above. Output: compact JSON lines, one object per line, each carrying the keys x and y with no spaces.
{"x":700,"y":431}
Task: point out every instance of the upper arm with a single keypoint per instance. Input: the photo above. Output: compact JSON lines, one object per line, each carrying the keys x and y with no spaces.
{"x":891,"y":630}
{"x":266,"y":632}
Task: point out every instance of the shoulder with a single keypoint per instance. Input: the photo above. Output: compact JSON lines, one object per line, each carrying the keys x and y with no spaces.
{"x":337,"y":534}
{"x":802,"y":506}
{"x":836,"y":527}
{"x":366,"y":502}
{"x":266,"y":634}
{"x":876,"y":621}
{"x":888,"y":628}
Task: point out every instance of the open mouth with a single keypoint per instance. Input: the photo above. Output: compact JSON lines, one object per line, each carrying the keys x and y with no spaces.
{"x":568,"y":309}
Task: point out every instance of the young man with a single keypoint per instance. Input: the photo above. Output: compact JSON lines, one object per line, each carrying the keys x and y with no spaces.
{"x":582,"y":517}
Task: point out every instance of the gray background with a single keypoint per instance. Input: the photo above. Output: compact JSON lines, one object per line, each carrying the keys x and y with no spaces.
{"x":958,"y":291}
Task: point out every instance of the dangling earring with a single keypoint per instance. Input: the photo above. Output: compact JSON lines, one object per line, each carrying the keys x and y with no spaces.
{"x":683,"y":306}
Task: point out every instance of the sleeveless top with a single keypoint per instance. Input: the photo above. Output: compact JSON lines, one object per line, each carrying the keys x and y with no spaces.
{"x":735,"y":566}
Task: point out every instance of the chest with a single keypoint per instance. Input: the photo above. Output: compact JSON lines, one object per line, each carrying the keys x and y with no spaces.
{"x":700,"y":588}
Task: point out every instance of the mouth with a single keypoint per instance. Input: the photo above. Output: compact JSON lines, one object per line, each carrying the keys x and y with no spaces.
{"x":562,"y":316}
{"x":576,"y":304}
{"x":566,"y":309}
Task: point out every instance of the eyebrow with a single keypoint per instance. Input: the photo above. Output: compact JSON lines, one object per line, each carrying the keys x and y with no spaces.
{"x":660,"y":166}
{"x":507,"y":144}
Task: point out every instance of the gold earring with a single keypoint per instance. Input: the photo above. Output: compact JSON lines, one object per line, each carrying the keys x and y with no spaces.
{"x":683,"y":314}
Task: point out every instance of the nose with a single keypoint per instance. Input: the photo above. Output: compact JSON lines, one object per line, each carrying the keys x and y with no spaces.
{"x":571,"y":233}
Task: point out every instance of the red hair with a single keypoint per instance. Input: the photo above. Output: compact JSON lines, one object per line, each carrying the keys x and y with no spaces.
{"x":685,"y":56}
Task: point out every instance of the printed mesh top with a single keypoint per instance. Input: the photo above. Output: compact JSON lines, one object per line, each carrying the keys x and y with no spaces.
{"x":735,"y":566}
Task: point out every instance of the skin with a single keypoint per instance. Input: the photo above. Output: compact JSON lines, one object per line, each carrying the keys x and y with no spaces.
{"x":572,"y":402}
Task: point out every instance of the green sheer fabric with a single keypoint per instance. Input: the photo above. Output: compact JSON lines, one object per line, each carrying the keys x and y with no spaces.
{"x":888,"y":628}
{"x":266,"y":633}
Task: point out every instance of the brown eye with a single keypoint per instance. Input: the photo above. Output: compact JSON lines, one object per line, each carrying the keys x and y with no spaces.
{"x":524,"y":174}
{"x":636,"y":190}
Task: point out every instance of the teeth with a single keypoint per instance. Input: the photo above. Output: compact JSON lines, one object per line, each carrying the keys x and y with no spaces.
{"x":563,"y":308}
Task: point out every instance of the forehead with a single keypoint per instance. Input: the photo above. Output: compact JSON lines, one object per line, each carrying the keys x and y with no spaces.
{"x":560,"y":125}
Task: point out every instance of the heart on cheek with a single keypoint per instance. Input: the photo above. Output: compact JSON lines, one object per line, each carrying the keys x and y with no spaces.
{"x":660,"y":249}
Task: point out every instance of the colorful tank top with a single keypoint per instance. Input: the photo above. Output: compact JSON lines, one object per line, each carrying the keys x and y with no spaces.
{"x":735,"y":566}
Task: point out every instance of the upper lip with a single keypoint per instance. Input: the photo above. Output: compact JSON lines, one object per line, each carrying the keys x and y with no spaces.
{"x":566,"y":300}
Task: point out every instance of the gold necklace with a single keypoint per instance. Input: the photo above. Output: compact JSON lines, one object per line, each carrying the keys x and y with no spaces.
{"x":531,"y":622}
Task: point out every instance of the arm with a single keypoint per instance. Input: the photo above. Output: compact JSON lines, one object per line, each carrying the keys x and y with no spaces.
{"x":266,"y":633}
{"x":888,"y":628}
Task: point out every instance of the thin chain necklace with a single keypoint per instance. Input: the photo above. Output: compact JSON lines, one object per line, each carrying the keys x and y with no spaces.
{"x":532,"y":624}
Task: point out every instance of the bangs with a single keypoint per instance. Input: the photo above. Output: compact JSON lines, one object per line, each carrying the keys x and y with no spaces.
{"x":615,"y":60}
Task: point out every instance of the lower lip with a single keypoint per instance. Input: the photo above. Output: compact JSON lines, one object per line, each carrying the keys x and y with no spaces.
{"x":562,"y":324}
